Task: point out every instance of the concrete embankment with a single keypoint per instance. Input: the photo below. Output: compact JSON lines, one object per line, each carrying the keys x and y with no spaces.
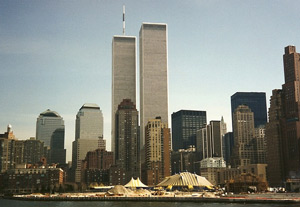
{"x":162,"y":199}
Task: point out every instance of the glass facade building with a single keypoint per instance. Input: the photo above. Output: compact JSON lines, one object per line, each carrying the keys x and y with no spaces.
{"x":50,"y":129}
{"x":57,"y":147}
{"x":46,"y":124}
{"x":185,"y":124}
{"x":228,"y":145}
{"x":88,"y":136}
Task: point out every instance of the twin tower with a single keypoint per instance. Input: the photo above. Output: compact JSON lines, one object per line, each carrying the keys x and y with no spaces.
{"x":153,"y":75}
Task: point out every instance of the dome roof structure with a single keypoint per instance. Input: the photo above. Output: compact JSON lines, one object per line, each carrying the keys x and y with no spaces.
{"x":50,"y":113}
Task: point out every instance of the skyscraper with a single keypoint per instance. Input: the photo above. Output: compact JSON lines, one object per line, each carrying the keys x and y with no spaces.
{"x":57,"y":147}
{"x":223,"y":126}
{"x":291,"y":132}
{"x":274,"y":139}
{"x":88,"y":136}
{"x":89,"y":122}
{"x":185,"y":124}
{"x":157,"y":152}
{"x":123,"y":75}
{"x":153,"y":74}
{"x":127,"y":145}
{"x":228,"y":141}
{"x":209,"y":140}
{"x":48,"y":124}
{"x":283,"y":129}
{"x":256,"y":101}
{"x":243,"y":151}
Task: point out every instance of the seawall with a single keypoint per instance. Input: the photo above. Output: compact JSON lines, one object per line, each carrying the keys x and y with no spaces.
{"x":162,"y":199}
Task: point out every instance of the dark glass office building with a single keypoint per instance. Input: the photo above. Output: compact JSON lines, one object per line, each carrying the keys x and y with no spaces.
{"x":256,"y":101}
{"x":185,"y":124}
{"x":57,"y":147}
{"x":228,"y":141}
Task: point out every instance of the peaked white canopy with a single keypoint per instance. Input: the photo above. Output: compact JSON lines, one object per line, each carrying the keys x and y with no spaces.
{"x":135,"y":184}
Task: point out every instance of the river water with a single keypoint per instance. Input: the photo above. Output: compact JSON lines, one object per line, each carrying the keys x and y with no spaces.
{"x":17,"y":203}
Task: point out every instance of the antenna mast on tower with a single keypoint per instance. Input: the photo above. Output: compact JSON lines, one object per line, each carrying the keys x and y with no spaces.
{"x":123,"y":19}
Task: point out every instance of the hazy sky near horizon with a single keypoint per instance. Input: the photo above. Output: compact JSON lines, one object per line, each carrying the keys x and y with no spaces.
{"x":57,"y":54}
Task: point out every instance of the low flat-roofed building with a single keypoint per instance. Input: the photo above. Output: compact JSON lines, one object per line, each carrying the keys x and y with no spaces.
{"x":28,"y":180}
{"x":210,"y":168}
{"x":228,"y":174}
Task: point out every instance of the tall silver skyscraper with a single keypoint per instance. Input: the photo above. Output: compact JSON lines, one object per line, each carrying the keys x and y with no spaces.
{"x":153,"y":74}
{"x":89,"y":122}
{"x":88,"y":135}
{"x":123,"y":75}
{"x":46,"y":124}
{"x":50,"y":129}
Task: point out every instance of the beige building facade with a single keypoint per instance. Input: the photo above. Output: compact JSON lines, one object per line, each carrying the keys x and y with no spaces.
{"x":244,"y":133}
{"x":157,"y":152}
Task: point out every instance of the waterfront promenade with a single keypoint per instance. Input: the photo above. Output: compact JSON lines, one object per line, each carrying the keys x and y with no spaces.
{"x":283,"y":198}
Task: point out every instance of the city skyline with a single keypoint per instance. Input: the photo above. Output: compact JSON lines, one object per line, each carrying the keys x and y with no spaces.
{"x":52,"y":59}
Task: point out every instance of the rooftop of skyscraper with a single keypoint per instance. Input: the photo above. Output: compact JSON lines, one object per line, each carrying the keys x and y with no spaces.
{"x":126,"y":104}
{"x":239,"y":94}
{"x":90,"y":105}
{"x":49,"y":113}
{"x":189,"y":112}
{"x":150,"y":23}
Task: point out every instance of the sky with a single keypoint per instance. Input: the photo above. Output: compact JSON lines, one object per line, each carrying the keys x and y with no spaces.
{"x":57,"y":54}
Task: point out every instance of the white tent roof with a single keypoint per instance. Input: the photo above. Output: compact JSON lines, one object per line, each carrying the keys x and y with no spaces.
{"x":185,"y":179}
{"x":135,"y":184}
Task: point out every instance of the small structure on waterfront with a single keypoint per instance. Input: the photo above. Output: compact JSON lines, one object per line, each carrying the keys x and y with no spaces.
{"x":292,"y":185}
{"x":246,"y":182}
{"x":185,"y":179}
{"x":135,"y":183}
